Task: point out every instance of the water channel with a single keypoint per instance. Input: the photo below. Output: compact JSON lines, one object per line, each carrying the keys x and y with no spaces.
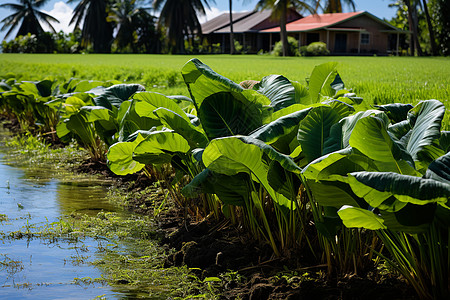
{"x":46,"y":268}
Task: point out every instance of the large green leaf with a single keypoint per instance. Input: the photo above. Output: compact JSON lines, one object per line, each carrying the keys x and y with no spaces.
{"x":282,"y":181}
{"x":77,"y":85}
{"x":440,"y":169}
{"x":203,"y":82}
{"x":97,"y":113}
{"x":281,"y":92}
{"x":333,"y":193}
{"x":397,"y":112}
{"x":231,"y":190}
{"x":71,"y":105}
{"x":123,"y":110}
{"x":195,"y":136}
{"x":287,"y":111}
{"x":224,"y":107}
{"x":159,"y":147}
{"x":301,"y":93}
{"x":120,"y":157}
{"x":132,"y":121}
{"x":278,"y":89}
{"x":106,"y":125}
{"x":38,"y":88}
{"x":116,"y":94}
{"x":444,"y":141}
{"x":342,"y":109}
{"x":401,"y":131}
{"x":83,"y":129}
{"x":314,"y":130}
{"x":229,"y":113}
{"x":338,"y":163}
{"x":426,"y":118}
{"x":375,"y":187}
{"x":320,"y":81}
{"x":233,"y":155}
{"x":347,"y":124}
{"x":147,"y":102}
{"x":61,"y":129}
{"x":324,"y":175}
{"x":359,"y":217}
{"x":270,"y":133}
{"x":371,"y":138}
{"x":411,"y":218}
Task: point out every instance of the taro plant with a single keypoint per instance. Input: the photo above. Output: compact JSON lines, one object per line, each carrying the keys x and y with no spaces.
{"x":93,"y":117}
{"x":389,"y":174}
{"x":287,"y":107}
{"x":303,"y":130}
{"x":155,"y":132}
{"x":26,"y":101}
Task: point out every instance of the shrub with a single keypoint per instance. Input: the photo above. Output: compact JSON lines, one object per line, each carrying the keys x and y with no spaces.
{"x":45,"y":42}
{"x":292,"y":47}
{"x":314,"y":49}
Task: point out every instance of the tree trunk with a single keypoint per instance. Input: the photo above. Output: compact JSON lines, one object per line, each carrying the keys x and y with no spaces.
{"x":231,"y":28}
{"x":430,"y":29}
{"x":283,"y":34}
{"x":416,"y":28}
{"x":412,"y":28}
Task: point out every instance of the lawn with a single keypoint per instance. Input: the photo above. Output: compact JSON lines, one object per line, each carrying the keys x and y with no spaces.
{"x":285,"y":169}
{"x":376,"y":79}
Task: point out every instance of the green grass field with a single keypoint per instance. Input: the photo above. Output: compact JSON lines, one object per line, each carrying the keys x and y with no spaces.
{"x":376,"y":79}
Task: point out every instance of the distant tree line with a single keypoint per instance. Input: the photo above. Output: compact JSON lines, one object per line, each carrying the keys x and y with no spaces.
{"x":128,"y":26}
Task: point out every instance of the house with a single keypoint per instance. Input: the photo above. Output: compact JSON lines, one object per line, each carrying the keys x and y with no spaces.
{"x":354,"y":33}
{"x":247,"y":28}
{"x":345,"y":33}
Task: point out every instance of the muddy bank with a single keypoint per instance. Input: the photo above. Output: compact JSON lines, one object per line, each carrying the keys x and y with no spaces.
{"x":219,"y":249}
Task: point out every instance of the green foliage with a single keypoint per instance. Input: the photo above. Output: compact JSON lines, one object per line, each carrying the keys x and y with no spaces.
{"x":45,"y":42}
{"x":201,"y":46}
{"x":314,"y":49}
{"x":292,"y":47}
{"x":382,"y":181}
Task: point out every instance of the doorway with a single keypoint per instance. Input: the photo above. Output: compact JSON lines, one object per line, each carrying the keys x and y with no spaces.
{"x":340,"y":43}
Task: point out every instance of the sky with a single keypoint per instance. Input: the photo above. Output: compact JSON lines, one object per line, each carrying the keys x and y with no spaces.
{"x":63,"y":11}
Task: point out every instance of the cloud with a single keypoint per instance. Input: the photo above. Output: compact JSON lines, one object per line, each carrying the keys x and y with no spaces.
{"x":63,"y":13}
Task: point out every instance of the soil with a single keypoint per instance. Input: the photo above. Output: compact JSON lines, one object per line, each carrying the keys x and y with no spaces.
{"x":215,"y":248}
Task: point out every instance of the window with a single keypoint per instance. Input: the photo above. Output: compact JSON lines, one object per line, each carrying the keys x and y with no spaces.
{"x":365,"y":38}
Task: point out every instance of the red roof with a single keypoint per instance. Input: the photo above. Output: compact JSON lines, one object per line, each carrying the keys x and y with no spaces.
{"x":316,"y":22}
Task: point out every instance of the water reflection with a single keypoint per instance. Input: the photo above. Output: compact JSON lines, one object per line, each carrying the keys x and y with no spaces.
{"x":36,"y":268}
{"x":82,"y":197}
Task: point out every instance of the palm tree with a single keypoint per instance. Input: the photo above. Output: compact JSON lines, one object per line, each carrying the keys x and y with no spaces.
{"x":335,"y":6}
{"x":180,"y":18}
{"x":231,"y":28}
{"x":128,"y":18}
{"x":96,"y":30}
{"x":28,"y":16}
{"x":279,"y":12}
